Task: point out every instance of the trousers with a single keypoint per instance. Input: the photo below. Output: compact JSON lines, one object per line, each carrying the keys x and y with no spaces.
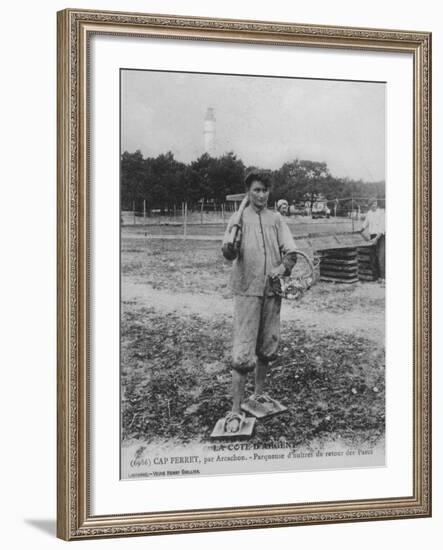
{"x":256,"y":331}
{"x":378,"y":257}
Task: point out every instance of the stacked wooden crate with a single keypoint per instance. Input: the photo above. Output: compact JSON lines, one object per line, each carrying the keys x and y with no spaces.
{"x":344,"y":258}
{"x":339,"y":265}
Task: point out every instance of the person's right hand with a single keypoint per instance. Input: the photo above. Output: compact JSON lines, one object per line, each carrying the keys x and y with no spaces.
{"x":230,"y":250}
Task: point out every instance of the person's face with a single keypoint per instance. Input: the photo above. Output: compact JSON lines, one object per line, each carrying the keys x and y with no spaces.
{"x":374,"y":206}
{"x":284,"y":208}
{"x":258,"y":194}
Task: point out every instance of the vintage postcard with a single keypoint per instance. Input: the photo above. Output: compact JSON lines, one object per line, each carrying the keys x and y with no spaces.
{"x":252,"y":321}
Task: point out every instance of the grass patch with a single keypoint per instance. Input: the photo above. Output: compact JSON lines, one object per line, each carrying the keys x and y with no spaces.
{"x":176,"y":382}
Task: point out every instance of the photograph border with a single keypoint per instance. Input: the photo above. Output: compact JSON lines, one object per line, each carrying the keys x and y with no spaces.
{"x":75,"y":29}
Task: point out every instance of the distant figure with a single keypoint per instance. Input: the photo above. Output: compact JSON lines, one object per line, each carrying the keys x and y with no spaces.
{"x":283,"y":207}
{"x":374,"y":229}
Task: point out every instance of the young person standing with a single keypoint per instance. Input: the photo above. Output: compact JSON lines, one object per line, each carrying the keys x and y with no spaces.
{"x":264,"y":251}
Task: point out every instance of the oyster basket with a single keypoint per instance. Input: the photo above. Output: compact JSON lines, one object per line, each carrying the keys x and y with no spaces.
{"x":304,"y":275}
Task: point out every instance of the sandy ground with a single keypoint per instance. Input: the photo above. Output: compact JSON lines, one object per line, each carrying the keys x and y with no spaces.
{"x":176,"y":333}
{"x":369,"y":323}
{"x":191,"y":278}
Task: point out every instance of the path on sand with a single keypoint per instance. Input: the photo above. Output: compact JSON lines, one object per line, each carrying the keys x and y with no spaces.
{"x":370,"y":325}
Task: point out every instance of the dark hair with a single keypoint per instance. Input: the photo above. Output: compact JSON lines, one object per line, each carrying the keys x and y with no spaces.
{"x":262,"y":176}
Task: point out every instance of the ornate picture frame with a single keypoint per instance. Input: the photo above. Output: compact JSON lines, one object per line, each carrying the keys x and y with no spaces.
{"x":75,"y":516}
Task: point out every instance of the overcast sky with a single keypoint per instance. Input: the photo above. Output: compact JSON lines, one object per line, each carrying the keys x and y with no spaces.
{"x":265,"y":121}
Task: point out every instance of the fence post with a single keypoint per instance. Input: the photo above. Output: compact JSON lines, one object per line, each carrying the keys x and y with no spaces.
{"x":185,"y":219}
{"x":352,"y":212}
{"x":144,"y":211}
{"x":133,"y":211}
{"x":201,"y":211}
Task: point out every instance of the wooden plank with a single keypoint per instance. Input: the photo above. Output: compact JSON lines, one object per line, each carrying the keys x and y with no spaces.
{"x":336,"y":280}
{"x":344,"y":253}
{"x":339,"y":274}
{"x":336,"y":261}
{"x":338,"y":264}
{"x":338,"y":269}
{"x":364,"y":261}
{"x":366,"y":273}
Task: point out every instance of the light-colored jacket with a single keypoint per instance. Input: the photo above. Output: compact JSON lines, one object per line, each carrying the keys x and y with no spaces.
{"x":375,"y":222}
{"x":266,"y":243}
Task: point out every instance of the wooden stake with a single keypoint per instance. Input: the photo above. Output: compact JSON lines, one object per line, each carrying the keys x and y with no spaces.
{"x":352,"y":212}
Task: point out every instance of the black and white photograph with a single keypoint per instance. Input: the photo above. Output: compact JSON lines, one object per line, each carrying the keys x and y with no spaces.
{"x":252,"y":274}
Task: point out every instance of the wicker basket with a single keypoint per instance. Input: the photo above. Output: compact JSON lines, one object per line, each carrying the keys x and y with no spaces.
{"x":304,"y":275}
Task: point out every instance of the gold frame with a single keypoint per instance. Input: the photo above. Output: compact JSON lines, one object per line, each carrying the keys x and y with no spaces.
{"x":74,"y":520}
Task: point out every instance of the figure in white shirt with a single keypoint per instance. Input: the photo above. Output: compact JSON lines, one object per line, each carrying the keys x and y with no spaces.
{"x":374,"y":230}
{"x":283,"y":207}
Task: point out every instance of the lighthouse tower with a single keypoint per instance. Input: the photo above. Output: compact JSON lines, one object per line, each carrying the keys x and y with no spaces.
{"x":209,"y":132}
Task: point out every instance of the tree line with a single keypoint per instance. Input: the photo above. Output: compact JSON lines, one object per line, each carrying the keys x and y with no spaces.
{"x":163,"y":182}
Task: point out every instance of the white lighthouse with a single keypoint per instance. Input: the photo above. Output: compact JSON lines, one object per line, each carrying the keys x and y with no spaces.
{"x":209,"y":132}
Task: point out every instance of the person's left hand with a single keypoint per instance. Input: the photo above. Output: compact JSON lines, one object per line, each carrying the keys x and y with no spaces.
{"x":376,"y":238}
{"x":277,"y":272}
{"x":275,"y":284}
